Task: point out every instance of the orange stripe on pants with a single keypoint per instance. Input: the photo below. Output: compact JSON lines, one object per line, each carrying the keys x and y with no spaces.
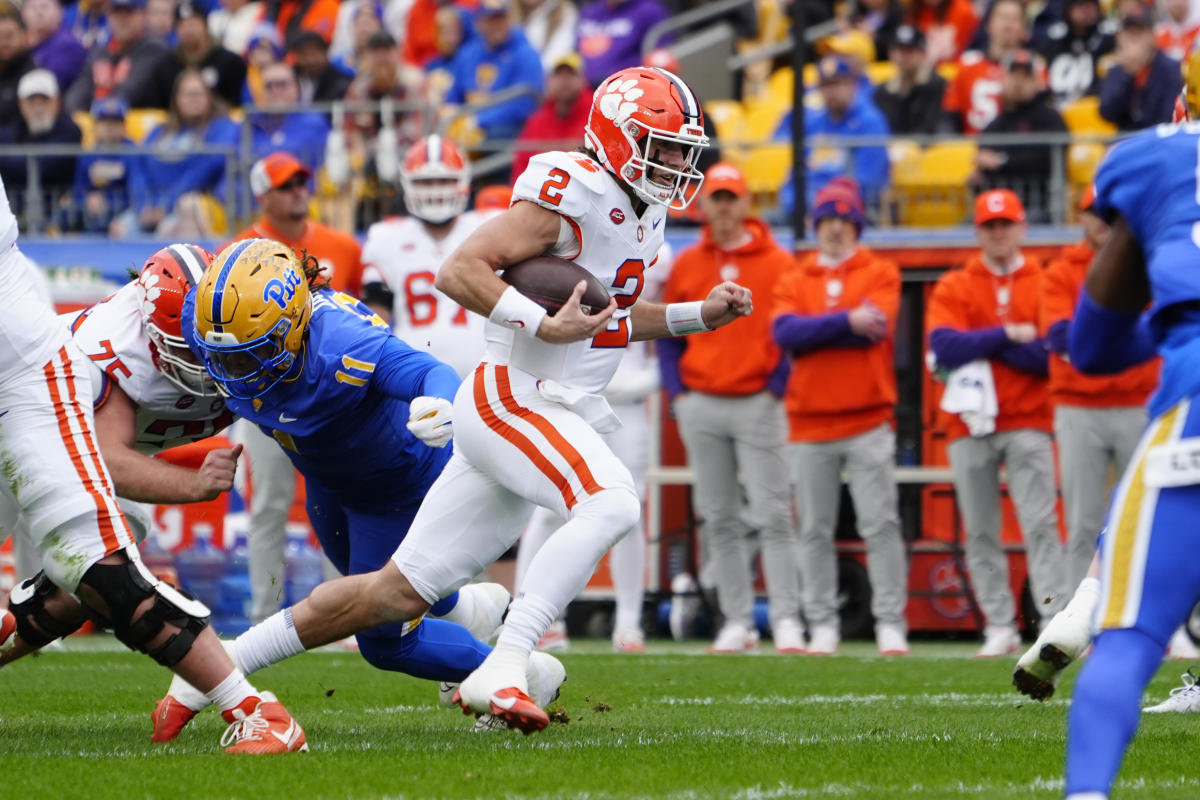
{"x":519,"y":440}
{"x":103,"y":518}
{"x":547,"y":429}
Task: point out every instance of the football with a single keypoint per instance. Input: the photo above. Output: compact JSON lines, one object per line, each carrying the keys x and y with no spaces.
{"x":549,"y":281}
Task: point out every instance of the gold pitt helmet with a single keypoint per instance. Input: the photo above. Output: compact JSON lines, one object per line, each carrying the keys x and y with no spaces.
{"x":1190,"y":96}
{"x":252,"y":310}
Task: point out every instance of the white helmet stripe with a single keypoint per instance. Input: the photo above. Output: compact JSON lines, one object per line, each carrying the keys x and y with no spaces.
{"x":189,"y":261}
{"x":690,"y":106}
{"x":433,"y":149}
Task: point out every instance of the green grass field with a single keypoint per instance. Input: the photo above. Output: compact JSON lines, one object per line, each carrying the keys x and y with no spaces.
{"x":670,"y":724}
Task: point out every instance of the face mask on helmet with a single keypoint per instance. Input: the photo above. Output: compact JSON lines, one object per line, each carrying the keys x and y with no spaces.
{"x":246,"y":371}
{"x":663,"y":169}
{"x":435,"y":180}
{"x":162,"y":285}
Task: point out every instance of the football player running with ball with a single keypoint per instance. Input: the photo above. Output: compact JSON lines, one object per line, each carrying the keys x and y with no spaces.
{"x":528,"y":421}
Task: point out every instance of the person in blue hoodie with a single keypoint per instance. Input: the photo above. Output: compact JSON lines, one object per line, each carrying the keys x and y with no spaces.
{"x":500,"y":58}
{"x":169,"y":168}
{"x":847,"y":111}
{"x":101,"y":190}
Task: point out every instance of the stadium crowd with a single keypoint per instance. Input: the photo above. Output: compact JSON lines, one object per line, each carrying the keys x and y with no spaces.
{"x":205,"y":88}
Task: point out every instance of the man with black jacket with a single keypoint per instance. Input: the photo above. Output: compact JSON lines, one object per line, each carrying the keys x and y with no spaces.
{"x":1139,"y":90}
{"x":320,"y":80}
{"x":1073,"y":48}
{"x":132,"y":65}
{"x":41,"y":121}
{"x":1024,"y":168}
{"x":223,"y":71}
{"x":912,"y":100}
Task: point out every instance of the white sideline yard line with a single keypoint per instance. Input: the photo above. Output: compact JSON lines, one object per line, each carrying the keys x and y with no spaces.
{"x":989,"y":700}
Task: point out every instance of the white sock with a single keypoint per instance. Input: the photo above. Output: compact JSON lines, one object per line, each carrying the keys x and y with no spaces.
{"x":627,"y":563}
{"x":543,"y":523}
{"x":1087,"y":796}
{"x":230,"y":692}
{"x":528,"y":619}
{"x":268,"y":642}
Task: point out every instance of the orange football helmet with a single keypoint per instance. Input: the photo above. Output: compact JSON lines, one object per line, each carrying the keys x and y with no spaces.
{"x":436,"y":180}
{"x":162,"y":284}
{"x":634,"y":113}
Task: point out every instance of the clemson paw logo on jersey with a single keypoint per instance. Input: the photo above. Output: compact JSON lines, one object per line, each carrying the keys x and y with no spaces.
{"x":149,"y":291}
{"x":620,"y":101}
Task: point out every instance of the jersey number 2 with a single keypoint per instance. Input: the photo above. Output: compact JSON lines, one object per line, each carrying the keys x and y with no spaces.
{"x":626,"y":286}
{"x":553,"y":188}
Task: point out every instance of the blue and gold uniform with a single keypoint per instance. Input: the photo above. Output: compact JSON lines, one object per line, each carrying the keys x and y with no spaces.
{"x":324,"y":376}
{"x":1150,"y":577}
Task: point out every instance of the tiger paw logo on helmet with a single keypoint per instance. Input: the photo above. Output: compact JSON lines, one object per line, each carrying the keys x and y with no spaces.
{"x":148,"y":291}
{"x":620,"y":101}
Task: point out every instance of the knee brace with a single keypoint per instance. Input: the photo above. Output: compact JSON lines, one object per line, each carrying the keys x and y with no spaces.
{"x":127,"y":585}
{"x":35,"y":625}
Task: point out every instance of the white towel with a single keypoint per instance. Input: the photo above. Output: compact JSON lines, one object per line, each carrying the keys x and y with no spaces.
{"x":971,"y":393}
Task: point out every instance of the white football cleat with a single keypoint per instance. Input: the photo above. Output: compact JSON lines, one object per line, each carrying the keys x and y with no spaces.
{"x":496,"y":688}
{"x":1181,"y":647}
{"x":555,"y":638}
{"x":734,"y":638}
{"x":545,"y":676}
{"x":1183,"y":698}
{"x":999,"y":640}
{"x":892,"y":640}
{"x":629,"y":640}
{"x":788,"y":635}
{"x":1064,"y":639}
{"x":823,"y":640}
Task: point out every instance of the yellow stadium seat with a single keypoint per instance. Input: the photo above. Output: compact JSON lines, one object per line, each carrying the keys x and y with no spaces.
{"x":934,"y":192}
{"x":140,"y":121}
{"x":904,"y":156}
{"x":87,"y":128}
{"x":1083,"y":116}
{"x":237,"y":115}
{"x":782,"y":83}
{"x":728,"y":118}
{"x":762,"y":118}
{"x":948,"y":70}
{"x":767,"y":168}
{"x":1082,"y":160}
{"x":881,"y":72}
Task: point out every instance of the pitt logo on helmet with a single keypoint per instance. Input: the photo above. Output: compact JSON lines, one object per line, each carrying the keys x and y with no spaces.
{"x":252,"y":311}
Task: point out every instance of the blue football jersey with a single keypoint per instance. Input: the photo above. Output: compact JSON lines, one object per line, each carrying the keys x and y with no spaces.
{"x":1150,"y":178}
{"x":338,"y":428}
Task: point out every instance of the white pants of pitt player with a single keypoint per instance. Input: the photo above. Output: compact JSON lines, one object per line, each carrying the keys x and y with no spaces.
{"x":52,"y":471}
{"x":513,"y":451}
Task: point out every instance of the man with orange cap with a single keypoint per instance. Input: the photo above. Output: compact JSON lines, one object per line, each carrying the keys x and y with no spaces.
{"x":835,"y":316}
{"x":981,"y":324}
{"x":726,"y":390}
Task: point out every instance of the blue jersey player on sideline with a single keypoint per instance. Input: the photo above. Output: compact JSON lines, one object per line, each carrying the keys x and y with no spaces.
{"x":1147,"y":189}
{"x":363,"y":416}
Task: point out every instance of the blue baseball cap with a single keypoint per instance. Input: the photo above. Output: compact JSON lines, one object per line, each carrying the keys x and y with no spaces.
{"x":834,"y":67}
{"x":110,"y":108}
{"x":489,"y":8}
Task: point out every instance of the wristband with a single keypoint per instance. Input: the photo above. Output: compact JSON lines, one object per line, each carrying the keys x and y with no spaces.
{"x":516,"y":311}
{"x":684,"y":318}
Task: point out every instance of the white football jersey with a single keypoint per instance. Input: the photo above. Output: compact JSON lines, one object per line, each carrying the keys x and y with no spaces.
{"x":110,"y":334}
{"x":402,"y":255}
{"x":30,"y":333}
{"x":610,"y":241}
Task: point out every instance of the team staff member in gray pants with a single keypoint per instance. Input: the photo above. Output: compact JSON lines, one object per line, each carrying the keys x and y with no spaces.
{"x":835,"y":315}
{"x":986,"y":312}
{"x":1097,"y":419}
{"x":726,"y":388}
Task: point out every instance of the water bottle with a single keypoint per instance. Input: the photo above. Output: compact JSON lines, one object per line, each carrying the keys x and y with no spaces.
{"x":158,"y":559}
{"x":685,"y":606}
{"x":231,"y":616}
{"x":305,"y":568}
{"x":201,"y":567}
